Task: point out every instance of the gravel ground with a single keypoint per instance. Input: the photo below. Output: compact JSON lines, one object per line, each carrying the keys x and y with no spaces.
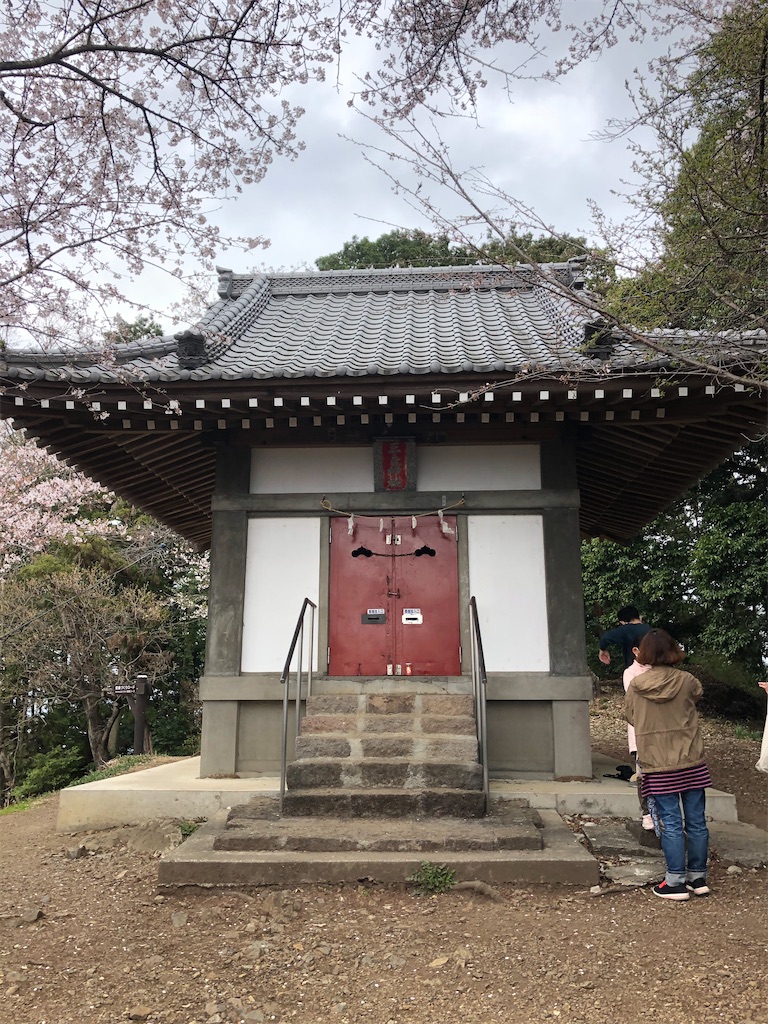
{"x":85,"y":938}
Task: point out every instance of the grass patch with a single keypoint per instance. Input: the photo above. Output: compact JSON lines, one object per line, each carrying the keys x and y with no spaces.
{"x":120,"y":766}
{"x":21,"y":805}
{"x":430,"y":879}
{"x":187,"y":828}
{"x":741,"y":732}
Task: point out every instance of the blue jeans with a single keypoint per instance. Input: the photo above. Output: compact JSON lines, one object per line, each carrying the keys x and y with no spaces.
{"x":678,"y":840}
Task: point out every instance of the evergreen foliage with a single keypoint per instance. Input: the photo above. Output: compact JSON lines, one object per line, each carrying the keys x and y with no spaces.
{"x":712,"y":271}
{"x":700,"y":570}
{"x":92,"y":592}
{"x":417,"y":248}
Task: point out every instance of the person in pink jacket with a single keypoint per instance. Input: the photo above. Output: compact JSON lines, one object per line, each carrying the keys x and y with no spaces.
{"x":629,"y":674}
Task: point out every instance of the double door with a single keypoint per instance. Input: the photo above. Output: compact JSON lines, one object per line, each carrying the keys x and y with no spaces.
{"x":394,"y":597}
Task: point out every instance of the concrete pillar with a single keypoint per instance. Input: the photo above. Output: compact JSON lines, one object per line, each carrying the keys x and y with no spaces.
{"x":570,"y":728}
{"x":565,"y":610}
{"x":225,"y":612}
{"x":562,"y":561}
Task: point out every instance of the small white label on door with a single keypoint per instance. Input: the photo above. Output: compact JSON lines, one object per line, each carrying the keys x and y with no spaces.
{"x":376,"y":611}
{"x":412,"y":617}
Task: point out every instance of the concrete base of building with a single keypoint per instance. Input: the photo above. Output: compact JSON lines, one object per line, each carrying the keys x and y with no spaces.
{"x":175,"y":790}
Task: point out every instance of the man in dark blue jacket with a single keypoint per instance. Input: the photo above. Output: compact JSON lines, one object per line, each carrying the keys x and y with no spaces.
{"x":627,"y":635}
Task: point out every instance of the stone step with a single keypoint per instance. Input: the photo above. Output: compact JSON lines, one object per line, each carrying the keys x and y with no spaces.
{"x":438,"y":747}
{"x":561,"y":860}
{"x":391,"y":802}
{"x":337,"y":685}
{"x":370,"y":773}
{"x":521,"y":830}
{"x":443,"y":704}
{"x":354,"y":724}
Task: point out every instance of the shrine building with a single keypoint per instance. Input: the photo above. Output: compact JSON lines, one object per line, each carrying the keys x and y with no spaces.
{"x":390,"y":444}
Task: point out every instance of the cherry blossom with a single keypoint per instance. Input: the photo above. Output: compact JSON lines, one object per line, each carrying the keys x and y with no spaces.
{"x":124,"y":123}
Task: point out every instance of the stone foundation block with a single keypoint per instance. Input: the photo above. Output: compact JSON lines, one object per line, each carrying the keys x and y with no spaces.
{"x":317,"y":745}
{"x":451,"y":776}
{"x":391,"y":703}
{"x":334,"y":704}
{"x":389,"y":723}
{"x":459,"y":724}
{"x":387,"y":746}
{"x":447,"y":704}
{"x":344,"y":724}
{"x":390,"y":803}
{"x":448,"y":748}
{"x":314,"y":774}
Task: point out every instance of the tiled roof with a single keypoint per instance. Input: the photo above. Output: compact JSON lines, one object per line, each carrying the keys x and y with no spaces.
{"x":357,"y":323}
{"x":350,"y":356}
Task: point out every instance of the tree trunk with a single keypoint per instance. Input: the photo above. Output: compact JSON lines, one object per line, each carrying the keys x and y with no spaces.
{"x":11,"y":739}
{"x":113,"y":734}
{"x":97,"y":733}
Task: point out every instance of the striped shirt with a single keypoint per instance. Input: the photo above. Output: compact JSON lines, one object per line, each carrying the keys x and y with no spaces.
{"x":679,"y":780}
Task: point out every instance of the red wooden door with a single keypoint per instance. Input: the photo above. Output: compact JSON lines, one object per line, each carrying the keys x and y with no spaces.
{"x":394,"y":597}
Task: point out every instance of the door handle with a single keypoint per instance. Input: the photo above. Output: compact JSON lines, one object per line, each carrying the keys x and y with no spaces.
{"x":393,"y":593}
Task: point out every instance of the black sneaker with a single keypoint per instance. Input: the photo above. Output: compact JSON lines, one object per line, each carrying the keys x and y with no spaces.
{"x":671,"y":892}
{"x":698,"y":886}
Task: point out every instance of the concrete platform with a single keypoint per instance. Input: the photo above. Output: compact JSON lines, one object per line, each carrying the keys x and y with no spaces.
{"x":174,"y":790}
{"x":601,"y":797}
{"x":562,"y":860}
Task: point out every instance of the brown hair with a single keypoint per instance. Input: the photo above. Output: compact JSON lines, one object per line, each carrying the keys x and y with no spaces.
{"x":657,"y":647}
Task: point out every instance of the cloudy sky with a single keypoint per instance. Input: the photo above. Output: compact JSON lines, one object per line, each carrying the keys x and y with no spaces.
{"x":539,"y":147}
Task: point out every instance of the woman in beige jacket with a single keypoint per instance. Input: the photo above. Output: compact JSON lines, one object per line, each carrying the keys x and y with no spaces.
{"x":661,"y":705}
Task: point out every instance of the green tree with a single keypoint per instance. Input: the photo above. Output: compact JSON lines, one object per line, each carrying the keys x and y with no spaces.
{"x":71,"y":635}
{"x":57,"y":526}
{"x":123,"y":331}
{"x":417,"y":248}
{"x":699,"y":570}
{"x":413,"y":248}
{"x":712,"y":210}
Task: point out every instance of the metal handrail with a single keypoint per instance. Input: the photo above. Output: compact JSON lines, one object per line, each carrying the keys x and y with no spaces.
{"x":298,"y":638}
{"x":479,"y":693}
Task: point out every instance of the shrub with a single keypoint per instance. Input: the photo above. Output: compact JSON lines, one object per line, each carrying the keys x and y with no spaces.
{"x":730,"y":690}
{"x":51,"y":770}
{"x":119,"y":766}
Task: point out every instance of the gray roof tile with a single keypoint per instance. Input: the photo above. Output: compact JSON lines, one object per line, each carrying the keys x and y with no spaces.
{"x":365,"y":323}
{"x":356,"y":324}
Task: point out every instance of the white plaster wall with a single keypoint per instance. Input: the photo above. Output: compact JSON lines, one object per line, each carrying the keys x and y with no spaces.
{"x":506,"y":576}
{"x":478,"y":467}
{"x":309,"y":470}
{"x":282,"y":568}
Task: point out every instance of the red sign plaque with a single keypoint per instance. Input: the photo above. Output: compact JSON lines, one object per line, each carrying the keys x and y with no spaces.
{"x":395,"y":464}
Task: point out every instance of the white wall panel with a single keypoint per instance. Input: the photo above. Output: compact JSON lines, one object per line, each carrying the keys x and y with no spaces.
{"x":478,"y":467}
{"x":506,"y":576}
{"x":282,"y":568}
{"x":308,"y":470}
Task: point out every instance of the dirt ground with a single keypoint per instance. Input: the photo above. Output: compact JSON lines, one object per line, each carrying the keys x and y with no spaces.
{"x":85,"y":938}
